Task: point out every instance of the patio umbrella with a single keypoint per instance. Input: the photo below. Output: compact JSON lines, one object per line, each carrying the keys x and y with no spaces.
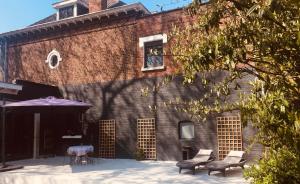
{"x":39,"y":105}
{"x":46,"y":104}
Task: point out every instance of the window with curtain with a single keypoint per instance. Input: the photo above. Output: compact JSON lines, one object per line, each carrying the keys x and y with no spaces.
{"x":153,"y":54}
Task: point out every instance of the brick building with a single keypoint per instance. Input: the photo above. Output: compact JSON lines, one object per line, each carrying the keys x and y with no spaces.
{"x":101,"y":52}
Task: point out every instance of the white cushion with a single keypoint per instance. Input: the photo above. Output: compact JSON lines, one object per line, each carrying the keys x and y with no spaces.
{"x":236,"y":154}
{"x":204,"y":152}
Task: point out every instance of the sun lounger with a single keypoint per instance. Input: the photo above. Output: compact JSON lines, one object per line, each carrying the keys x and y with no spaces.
{"x":233,"y":159}
{"x":202,"y":158}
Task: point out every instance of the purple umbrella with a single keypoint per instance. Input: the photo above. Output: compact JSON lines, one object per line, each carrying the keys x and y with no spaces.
{"x":48,"y":102}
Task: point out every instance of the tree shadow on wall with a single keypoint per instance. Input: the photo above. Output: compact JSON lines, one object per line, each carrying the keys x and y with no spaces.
{"x":100,"y":67}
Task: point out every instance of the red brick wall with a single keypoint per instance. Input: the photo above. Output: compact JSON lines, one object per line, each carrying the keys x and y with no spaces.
{"x":98,"y":55}
{"x":95,"y":56}
{"x":159,"y":24}
{"x":97,"y":5}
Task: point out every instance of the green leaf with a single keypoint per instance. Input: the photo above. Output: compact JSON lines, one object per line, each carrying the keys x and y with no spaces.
{"x":252,"y":9}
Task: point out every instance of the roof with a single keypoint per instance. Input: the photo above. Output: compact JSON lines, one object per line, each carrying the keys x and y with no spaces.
{"x":32,"y":90}
{"x":7,"y":88}
{"x":45,"y":25}
{"x":68,"y":2}
{"x":52,"y":18}
{"x":120,"y":3}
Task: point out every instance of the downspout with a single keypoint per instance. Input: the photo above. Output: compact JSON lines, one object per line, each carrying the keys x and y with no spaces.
{"x":3,"y":135}
{"x":5,"y":62}
{"x":4,"y":53}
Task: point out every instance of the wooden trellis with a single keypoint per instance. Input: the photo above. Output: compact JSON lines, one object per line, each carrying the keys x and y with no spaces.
{"x":229,"y":135}
{"x":107,"y":139}
{"x":147,"y":137}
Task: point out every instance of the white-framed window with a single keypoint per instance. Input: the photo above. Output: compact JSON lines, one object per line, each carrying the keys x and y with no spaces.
{"x":66,"y":12}
{"x":53,"y":59}
{"x":204,"y":1}
{"x":70,"y":8}
{"x":153,"y":51}
{"x":186,"y":130}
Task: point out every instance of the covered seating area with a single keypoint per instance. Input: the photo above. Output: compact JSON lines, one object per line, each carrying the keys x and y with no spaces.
{"x":49,"y":119}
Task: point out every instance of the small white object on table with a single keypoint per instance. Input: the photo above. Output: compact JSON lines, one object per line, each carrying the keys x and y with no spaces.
{"x":72,"y":137}
{"x":80,"y":150}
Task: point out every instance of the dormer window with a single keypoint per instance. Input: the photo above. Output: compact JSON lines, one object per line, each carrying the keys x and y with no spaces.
{"x":70,"y":8}
{"x":66,"y":12}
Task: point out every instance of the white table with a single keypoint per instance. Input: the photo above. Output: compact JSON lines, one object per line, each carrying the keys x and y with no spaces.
{"x":79,"y":154}
{"x":80,"y":150}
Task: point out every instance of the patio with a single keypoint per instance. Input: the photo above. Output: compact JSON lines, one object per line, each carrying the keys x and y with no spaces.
{"x":56,"y":171}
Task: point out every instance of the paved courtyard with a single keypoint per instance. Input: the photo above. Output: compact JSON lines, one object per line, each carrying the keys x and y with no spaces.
{"x":106,"y":171}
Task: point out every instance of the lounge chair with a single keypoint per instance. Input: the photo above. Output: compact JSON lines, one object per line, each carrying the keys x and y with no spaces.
{"x":233,"y":159}
{"x":202,"y":158}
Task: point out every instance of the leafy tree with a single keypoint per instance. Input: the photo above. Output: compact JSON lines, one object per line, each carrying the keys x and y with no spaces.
{"x":258,"y":40}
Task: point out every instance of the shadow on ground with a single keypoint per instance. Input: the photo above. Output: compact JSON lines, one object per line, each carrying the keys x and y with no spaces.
{"x":57,"y":171}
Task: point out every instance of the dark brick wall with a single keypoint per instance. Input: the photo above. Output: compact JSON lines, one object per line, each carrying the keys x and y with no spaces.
{"x":123,"y":101}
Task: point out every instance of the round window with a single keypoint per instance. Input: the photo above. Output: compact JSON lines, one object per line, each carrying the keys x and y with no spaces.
{"x":53,"y":59}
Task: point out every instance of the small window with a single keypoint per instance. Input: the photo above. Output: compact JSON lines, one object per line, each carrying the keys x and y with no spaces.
{"x":153,"y":51}
{"x":53,"y":59}
{"x":66,"y":12}
{"x":186,"y":130}
{"x":153,"y":54}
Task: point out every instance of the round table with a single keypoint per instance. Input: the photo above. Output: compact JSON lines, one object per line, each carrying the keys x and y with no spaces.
{"x":80,"y":153}
{"x":80,"y":150}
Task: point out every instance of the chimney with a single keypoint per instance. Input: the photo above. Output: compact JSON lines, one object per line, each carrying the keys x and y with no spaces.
{"x":97,"y":5}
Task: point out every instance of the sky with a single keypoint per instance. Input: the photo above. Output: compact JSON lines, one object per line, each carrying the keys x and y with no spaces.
{"x":17,"y":14}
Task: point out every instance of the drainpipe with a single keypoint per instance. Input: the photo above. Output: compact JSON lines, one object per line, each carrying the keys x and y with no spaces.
{"x":4,"y":44}
{"x":5,"y":62}
{"x":3,"y":135}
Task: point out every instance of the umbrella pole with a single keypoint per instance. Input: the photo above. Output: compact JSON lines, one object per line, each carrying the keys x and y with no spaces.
{"x":3,"y":137}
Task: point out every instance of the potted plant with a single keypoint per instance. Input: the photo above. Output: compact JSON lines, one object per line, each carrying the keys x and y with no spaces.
{"x":139,"y":155}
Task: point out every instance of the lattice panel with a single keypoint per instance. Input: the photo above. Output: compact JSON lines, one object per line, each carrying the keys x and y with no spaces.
{"x":147,"y":137}
{"x":229,"y":135}
{"x":107,"y":139}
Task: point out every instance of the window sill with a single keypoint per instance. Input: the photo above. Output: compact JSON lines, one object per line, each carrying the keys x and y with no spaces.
{"x":186,"y":139}
{"x":153,"y":68}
